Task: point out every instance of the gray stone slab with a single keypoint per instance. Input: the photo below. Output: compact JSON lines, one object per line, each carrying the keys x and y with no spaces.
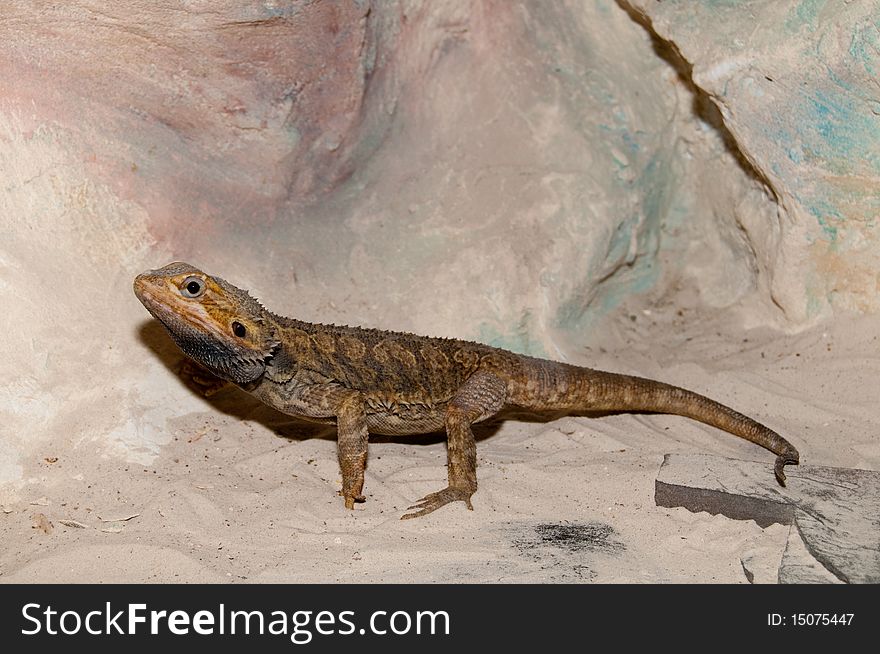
{"x":836,"y":511}
{"x":798,"y":566}
{"x":760,"y":563}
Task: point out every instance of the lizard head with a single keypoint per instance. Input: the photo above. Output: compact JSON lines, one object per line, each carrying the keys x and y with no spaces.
{"x":220,"y":326}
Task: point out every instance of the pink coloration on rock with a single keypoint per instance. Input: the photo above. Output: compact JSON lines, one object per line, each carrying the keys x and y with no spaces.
{"x":196,"y":113}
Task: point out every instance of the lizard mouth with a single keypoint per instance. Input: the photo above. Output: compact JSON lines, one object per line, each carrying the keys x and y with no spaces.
{"x":144,"y":290}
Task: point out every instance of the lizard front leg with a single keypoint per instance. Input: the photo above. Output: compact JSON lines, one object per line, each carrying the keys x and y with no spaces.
{"x":316,"y":399}
{"x":351,"y":446}
{"x":347,"y":406}
{"x":480,"y":397}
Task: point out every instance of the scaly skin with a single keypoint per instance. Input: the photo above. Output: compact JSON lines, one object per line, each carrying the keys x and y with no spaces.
{"x":371,"y":381}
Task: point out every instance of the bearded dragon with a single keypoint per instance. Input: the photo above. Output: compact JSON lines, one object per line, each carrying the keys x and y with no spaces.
{"x":394,"y":383}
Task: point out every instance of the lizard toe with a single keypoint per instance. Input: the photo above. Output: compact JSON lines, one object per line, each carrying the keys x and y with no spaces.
{"x":351,"y":499}
{"x":434,"y":501}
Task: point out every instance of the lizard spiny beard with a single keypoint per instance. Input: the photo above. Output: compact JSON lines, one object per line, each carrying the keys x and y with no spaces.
{"x":231,"y":362}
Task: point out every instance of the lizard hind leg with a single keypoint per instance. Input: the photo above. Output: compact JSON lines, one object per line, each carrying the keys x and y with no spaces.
{"x":480,"y":397}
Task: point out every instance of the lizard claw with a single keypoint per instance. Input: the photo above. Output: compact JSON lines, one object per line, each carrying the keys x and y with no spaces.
{"x":434,"y":501}
{"x":351,"y":499}
{"x":200,"y":380}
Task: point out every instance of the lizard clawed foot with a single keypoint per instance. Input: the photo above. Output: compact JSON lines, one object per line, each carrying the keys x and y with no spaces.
{"x":434,"y":501}
{"x":351,"y":499}
{"x":200,"y":380}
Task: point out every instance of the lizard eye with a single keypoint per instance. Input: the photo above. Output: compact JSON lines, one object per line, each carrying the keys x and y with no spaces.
{"x":238,"y":329}
{"x":192,"y":287}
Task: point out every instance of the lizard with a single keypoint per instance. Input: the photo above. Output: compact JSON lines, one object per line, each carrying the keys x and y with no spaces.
{"x":394,"y":383}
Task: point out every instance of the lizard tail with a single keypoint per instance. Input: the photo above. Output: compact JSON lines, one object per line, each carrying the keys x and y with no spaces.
{"x":565,"y":387}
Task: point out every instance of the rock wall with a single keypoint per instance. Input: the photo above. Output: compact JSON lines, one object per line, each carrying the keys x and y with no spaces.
{"x":796,"y":85}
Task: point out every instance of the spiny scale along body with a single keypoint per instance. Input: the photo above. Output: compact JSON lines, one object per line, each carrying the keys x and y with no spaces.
{"x":393,"y":383}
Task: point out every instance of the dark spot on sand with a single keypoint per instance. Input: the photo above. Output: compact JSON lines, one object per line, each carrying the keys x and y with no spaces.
{"x":571,"y":537}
